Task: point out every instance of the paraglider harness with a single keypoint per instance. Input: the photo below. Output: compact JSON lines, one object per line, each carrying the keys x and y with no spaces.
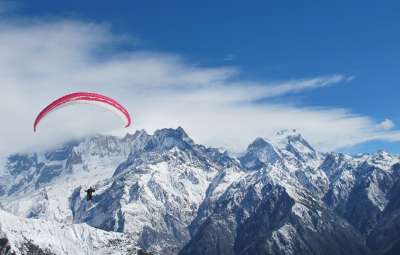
{"x":89,"y":193}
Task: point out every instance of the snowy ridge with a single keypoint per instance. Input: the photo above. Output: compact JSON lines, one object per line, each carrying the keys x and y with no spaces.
{"x":27,"y":236}
{"x":45,"y":178}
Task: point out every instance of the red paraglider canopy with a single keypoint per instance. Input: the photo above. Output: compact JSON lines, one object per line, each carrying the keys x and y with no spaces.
{"x":88,"y":97}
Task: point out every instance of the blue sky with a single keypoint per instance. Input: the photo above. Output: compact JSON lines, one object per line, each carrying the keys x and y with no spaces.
{"x":268,"y":41}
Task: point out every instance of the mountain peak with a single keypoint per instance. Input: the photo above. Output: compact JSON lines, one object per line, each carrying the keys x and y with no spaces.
{"x":259,"y":142}
{"x":292,"y":141}
{"x":171,"y":133}
{"x":137,"y":134}
{"x":259,"y":153}
{"x":161,"y":139}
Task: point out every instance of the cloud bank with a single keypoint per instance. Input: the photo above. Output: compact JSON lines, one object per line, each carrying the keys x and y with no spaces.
{"x":42,"y":60}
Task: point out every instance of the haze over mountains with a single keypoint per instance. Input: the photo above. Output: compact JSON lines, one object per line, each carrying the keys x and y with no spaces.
{"x":168,"y":195}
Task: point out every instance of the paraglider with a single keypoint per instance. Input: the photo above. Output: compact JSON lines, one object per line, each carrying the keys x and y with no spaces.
{"x":85,"y":97}
{"x":89,"y":193}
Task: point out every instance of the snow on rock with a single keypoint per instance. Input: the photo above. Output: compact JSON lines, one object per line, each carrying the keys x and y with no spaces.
{"x":165,"y":191}
{"x":383,"y":160}
{"x":36,"y":185}
{"x":26,"y":236}
{"x":259,"y":153}
{"x":156,"y":192}
{"x":283,"y":238}
{"x":296,"y":149}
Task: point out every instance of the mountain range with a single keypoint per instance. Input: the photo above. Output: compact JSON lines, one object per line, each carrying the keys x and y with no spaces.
{"x":167,"y":194}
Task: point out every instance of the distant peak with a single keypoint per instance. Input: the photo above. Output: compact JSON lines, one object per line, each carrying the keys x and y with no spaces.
{"x":259,"y":142}
{"x":291,"y":140}
{"x":138,"y":133}
{"x":171,"y":132}
{"x":259,"y":154}
{"x":180,"y":129}
{"x":167,"y":138}
{"x":382,"y":152}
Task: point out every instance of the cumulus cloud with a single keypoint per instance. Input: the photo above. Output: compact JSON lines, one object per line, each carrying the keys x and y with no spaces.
{"x":387,"y":124}
{"x":42,"y":60}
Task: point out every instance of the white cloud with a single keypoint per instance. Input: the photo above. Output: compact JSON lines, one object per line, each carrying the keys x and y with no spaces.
{"x":42,"y":60}
{"x":387,"y":124}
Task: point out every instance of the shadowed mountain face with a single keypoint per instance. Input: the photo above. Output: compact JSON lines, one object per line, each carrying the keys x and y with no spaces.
{"x":268,"y":220}
{"x":173,"y":196}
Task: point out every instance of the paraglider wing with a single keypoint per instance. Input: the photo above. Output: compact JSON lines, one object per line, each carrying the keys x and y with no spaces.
{"x":85,"y":97}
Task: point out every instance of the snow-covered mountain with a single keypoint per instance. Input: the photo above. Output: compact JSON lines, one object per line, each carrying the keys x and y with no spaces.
{"x":35,"y":185}
{"x":35,"y":236}
{"x":170,"y":195}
